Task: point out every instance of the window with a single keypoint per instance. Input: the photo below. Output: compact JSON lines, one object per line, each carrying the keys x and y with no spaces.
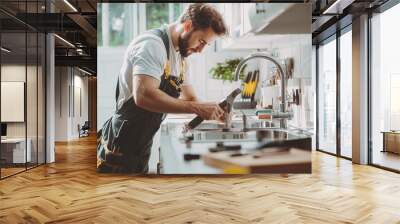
{"x":346,"y":94}
{"x":385,"y":86}
{"x":120,"y":23}
{"x":178,"y":9}
{"x":335,"y":74}
{"x":394,"y":102}
{"x":116,"y":24}
{"x":327,"y":96}
{"x":156,"y":14}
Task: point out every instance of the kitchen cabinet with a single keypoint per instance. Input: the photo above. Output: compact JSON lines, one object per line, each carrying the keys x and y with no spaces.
{"x":253,"y":25}
{"x":237,"y":21}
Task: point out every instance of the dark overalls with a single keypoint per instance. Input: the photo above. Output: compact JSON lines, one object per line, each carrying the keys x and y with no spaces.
{"x":125,"y":140}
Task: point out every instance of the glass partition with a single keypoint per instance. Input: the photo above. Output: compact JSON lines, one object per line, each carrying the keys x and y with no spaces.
{"x":14,"y":144}
{"x":22,"y":90}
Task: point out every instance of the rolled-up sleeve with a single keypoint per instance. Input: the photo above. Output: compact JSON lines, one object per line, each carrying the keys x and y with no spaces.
{"x":149,"y":58}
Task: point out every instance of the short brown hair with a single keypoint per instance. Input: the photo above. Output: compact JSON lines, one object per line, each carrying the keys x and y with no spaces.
{"x":204,"y":16}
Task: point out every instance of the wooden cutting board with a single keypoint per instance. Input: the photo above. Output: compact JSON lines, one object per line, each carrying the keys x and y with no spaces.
{"x":270,"y":160}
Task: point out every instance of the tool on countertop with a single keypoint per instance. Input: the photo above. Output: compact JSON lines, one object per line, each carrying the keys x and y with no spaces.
{"x":226,"y":105}
{"x":190,"y":156}
{"x":220,"y":148}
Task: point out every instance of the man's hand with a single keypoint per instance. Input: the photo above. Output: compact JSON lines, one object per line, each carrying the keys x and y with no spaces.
{"x":209,"y":111}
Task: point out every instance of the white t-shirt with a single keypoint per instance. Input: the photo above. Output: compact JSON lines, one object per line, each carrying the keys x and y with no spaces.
{"x":146,"y":55}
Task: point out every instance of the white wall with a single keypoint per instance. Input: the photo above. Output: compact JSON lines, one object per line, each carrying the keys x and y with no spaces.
{"x":61,"y":103}
{"x":67,"y":114}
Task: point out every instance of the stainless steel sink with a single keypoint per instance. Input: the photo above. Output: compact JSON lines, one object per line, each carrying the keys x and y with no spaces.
{"x":209,"y":127}
{"x":254,"y":124}
{"x":208,"y":131}
{"x":237,"y":134}
{"x":231,"y":135}
{"x":251,"y":125}
{"x":257,"y":134}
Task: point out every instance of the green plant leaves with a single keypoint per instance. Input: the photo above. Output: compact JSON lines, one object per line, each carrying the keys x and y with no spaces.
{"x":226,"y":70}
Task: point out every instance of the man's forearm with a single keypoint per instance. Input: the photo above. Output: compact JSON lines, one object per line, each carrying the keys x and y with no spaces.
{"x":188,"y":93}
{"x":189,"y":98}
{"x":149,"y":97}
{"x":158,"y":101}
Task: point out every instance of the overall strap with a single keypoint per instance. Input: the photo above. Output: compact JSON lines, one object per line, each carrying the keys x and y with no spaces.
{"x":162,"y":33}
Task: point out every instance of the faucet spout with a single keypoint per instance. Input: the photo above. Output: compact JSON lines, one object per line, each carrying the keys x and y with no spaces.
{"x":281,"y":72}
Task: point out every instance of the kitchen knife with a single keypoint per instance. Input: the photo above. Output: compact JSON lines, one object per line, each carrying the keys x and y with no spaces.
{"x":246,"y":84}
{"x":254,"y":84}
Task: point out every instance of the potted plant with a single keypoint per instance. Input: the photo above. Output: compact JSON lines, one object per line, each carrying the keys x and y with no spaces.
{"x":226,"y":70}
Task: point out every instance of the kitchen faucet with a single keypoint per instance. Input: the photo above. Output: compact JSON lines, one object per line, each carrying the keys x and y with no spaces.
{"x":284,"y":115}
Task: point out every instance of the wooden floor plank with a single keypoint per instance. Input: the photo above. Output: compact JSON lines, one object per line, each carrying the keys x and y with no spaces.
{"x":70,"y":191}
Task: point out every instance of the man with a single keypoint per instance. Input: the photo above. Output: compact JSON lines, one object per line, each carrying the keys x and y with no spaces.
{"x":153,"y":82}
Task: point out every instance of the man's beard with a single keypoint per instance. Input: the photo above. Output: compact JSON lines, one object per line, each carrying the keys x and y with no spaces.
{"x":183,"y":43}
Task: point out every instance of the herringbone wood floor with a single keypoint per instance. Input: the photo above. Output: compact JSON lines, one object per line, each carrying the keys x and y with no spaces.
{"x":70,"y":191}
